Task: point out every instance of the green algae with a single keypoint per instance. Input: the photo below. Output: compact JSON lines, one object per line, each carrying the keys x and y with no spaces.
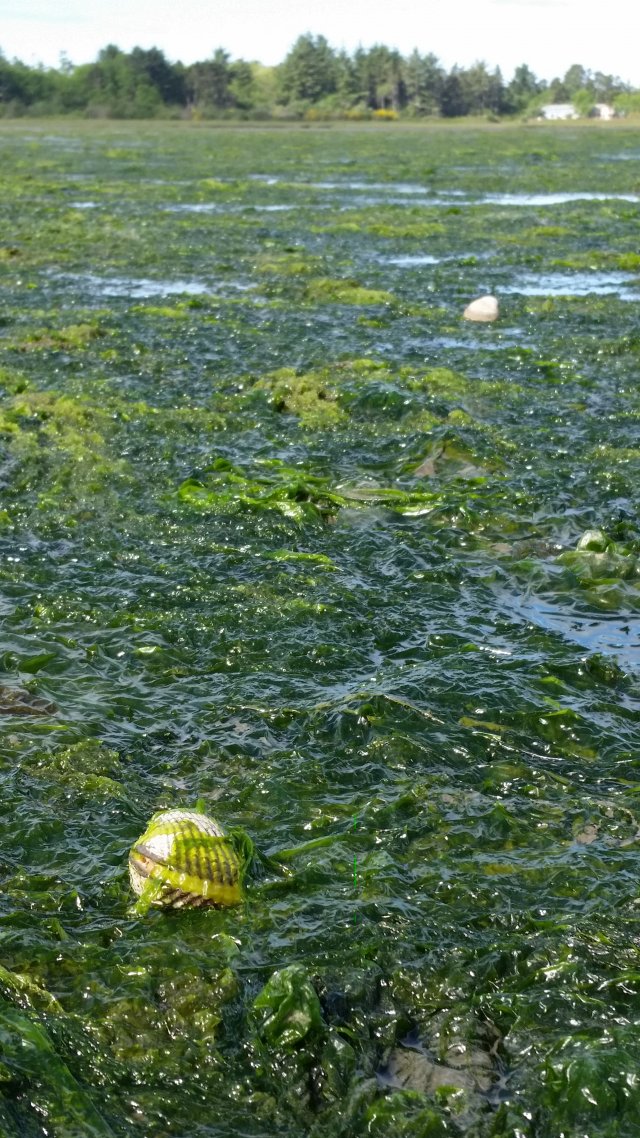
{"x":59,"y":448}
{"x":550,"y":232}
{"x":443,"y":381}
{"x":288,"y":1007}
{"x":31,"y":1064}
{"x":288,"y":263}
{"x":163,"y":311}
{"x":345,"y":292}
{"x":227,"y":488}
{"x":86,"y":767}
{"x":600,"y":259}
{"x":75,"y":337}
{"x":26,"y":992}
{"x":597,"y":558}
{"x":614,"y":454}
{"x":311,"y":397}
{"x":391,"y":222}
{"x":358,"y":575}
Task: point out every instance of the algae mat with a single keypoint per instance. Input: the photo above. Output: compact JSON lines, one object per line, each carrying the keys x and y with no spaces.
{"x":281,"y":533}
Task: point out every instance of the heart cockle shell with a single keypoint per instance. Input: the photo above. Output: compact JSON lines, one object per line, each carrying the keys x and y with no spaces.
{"x":183,"y":860}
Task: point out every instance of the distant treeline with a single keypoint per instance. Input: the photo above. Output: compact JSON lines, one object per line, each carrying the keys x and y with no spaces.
{"x":313,"y":81}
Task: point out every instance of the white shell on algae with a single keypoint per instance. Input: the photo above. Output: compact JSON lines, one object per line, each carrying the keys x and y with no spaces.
{"x":484,"y":310}
{"x":184,"y":860}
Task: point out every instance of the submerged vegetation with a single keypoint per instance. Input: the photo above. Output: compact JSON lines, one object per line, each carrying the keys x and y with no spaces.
{"x":283,"y":535}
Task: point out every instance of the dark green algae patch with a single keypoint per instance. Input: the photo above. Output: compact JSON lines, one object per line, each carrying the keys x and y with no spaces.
{"x":281,"y":533}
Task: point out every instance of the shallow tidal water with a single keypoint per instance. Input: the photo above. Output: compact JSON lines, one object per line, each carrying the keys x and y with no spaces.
{"x":281,"y":533}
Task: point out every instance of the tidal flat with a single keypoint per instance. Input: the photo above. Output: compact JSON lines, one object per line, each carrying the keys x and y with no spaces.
{"x":281,"y":533}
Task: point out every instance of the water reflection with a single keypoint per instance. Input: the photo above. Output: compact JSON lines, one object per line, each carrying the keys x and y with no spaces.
{"x":576,"y":284}
{"x":614,"y":635}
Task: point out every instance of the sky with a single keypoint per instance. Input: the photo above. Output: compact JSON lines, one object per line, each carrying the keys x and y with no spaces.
{"x":548,"y":35}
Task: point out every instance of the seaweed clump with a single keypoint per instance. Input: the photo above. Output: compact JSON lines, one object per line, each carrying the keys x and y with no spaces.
{"x":309,"y":396}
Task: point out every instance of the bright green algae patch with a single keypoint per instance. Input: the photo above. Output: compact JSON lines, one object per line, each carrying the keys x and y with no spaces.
{"x":283,"y":534}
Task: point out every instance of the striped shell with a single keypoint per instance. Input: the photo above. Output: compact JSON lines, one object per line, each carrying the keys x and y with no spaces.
{"x":184,"y":860}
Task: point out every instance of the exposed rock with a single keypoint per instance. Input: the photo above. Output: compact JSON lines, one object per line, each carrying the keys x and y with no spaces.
{"x":588,"y":835}
{"x":427,"y":469}
{"x":414,"y":1071}
{"x":452,"y":460}
{"x":484,"y":309}
{"x":16,"y":701}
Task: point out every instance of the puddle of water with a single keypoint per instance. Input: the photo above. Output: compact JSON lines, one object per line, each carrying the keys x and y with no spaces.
{"x":165,"y":181}
{"x":217,"y":207}
{"x":198,"y":207}
{"x":629,"y":156}
{"x":576,"y":284}
{"x":488,"y":344}
{"x":379,"y":187}
{"x":138,"y":289}
{"x":83,"y":205}
{"x":618,"y":636}
{"x":360,"y":200}
{"x":145,"y":288}
{"x":62,"y":141}
{"x":380,"y":192}
{"x":410,"y":261}
{"x":454,"y":201}
{"x":269,"y":208}
{"x":553,"y":199}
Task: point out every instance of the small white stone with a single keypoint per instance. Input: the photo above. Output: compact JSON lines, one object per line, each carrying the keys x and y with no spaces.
{"x":484,"y":309}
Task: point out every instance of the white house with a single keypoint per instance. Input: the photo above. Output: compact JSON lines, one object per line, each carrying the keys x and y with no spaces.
{"x":552,"y":112}
{"x":555,"y":111}
{"x":603,"y":111}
